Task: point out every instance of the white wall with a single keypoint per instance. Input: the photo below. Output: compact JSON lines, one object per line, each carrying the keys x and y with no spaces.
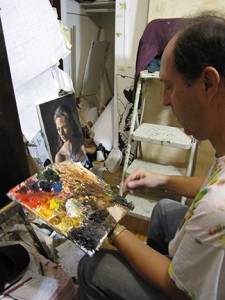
{"x":177,"y":8}
{"x":131,"y":20}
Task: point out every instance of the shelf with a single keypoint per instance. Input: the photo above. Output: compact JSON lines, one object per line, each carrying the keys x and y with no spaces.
{"x":162,"y":135}
{"x":146,"y":75}
{"x":99,"y":6}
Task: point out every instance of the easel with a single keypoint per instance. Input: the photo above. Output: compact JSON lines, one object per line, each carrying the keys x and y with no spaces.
{"x":94,"y":72}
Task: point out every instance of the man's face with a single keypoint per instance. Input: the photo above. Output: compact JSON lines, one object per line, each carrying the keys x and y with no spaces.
{"x":185,"y":100}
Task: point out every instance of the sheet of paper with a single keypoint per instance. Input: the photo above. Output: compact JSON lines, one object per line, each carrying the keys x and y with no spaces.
{"x":43,"y":88}
{"x":33,"y":38}
{"x":35,"y":44}
{"x":39,"y":88}
{"x":39,"y":288}
{"x":39,"y":151}
{"x":104,"y":134}
{"x":69,"y":256}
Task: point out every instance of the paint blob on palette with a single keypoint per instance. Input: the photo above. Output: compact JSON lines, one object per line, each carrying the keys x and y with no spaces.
{"x":72,"y":201}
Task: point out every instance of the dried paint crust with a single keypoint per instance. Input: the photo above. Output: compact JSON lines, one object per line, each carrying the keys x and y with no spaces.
{"x":74,"y":202}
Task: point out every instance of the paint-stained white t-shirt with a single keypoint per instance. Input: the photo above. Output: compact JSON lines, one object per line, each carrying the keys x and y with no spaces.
{"x":198,"y":249}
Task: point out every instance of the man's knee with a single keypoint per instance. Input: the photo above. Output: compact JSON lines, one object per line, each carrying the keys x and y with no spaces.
{"x":165,"y":201}
{"x":161,"y":206}
{"x":89,"y":268}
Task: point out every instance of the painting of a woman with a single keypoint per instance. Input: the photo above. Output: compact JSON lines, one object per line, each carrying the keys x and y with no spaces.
{"x":62,"y":129}
{"x":70,"y":143}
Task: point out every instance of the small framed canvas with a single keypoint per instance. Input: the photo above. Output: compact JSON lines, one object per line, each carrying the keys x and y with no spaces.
{"x":62,"y":130}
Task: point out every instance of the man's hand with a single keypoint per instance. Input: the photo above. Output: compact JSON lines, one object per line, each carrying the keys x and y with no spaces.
{"x":187,"y":186}
{"x":143,"y":179}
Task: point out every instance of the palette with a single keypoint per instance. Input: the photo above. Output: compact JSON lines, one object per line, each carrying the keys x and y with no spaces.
{"x":72,"y":201}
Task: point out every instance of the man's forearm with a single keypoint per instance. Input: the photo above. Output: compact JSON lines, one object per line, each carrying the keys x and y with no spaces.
{"x":183,"y":185}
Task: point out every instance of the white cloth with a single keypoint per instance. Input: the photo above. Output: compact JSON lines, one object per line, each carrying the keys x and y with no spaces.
{"x":198,"y":249}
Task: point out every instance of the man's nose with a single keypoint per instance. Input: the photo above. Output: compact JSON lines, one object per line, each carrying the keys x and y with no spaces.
{"x":166,"y":98}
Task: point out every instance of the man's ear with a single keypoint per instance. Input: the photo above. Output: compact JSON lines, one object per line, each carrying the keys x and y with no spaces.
{"x":211,"y":79}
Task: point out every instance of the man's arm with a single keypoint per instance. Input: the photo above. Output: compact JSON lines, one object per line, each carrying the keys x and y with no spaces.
{"x":181,"y":185}
{"x":184,"y":185}
{"x":148,"y":263}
